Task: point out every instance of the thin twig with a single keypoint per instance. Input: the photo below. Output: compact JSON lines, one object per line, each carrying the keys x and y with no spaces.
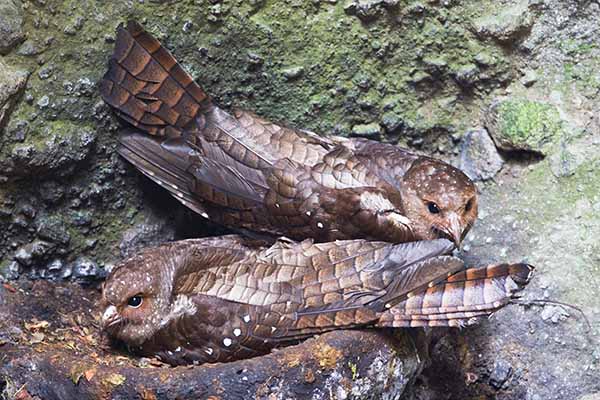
{"x":558,"y":303}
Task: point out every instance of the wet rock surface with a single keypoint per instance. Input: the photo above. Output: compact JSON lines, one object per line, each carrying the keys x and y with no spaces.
{"x":424,"y":74}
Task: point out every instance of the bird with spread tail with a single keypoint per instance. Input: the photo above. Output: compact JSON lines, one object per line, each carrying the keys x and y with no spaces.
{"x":226,"y":298}
{"x":244,"y":172}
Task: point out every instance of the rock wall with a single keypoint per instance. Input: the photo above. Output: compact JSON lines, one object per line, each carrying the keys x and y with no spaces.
{"x":506,"y":89}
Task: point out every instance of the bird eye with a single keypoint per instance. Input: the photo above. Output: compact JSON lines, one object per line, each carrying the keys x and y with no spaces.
{"x":135,"y":301}
{"x":469,"y":205}
{"x":433,"y":208}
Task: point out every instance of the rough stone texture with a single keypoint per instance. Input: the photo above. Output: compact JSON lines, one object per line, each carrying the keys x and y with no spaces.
{"x":150,"y":232}
{"x":12,"y":82}
{"x":71,"y":360}
{"x":59,"y":150}
{"x":506,"y":24}
{"x":368,"y":10}
{"x":479,"y":158}
{"x":11,"y":25}
{"x":524,"y":125}
{"x":422,"y":70}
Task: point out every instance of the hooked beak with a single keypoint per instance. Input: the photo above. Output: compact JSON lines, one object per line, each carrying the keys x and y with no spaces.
{"x":110,"y":317}
{"x":454,"y":230}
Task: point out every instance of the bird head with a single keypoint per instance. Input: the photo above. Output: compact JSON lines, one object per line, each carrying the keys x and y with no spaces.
{"x":440,"y":200}
{"x":136,"y":299}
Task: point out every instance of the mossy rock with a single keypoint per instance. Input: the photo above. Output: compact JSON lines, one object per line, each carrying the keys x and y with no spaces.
{"x":524,"y":125}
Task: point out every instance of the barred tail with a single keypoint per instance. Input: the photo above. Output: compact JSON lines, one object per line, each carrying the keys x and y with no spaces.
{"x":461,"y":298}
{"x":149,"y":89}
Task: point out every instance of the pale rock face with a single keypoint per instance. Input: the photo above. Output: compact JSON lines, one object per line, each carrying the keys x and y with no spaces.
{"x":11,"y":25}
{"x":12,"y":81}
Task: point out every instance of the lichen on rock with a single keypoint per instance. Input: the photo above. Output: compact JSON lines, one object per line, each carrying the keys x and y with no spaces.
{"x":11,"y":25}
{"x":55,"y":150}
{"x":524,"y":125}
{"x":12,"y":81}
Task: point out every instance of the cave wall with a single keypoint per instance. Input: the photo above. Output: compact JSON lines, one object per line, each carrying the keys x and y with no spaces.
{"x":508,"y":90}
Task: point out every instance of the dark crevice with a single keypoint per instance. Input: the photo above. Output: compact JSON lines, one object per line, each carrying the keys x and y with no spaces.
{"x":521,"y":157}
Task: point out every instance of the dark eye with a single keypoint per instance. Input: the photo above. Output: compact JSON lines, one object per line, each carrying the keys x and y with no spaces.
{"x":469,"y":205}
{"x":135,"y":301}
{"x":433,"y":208}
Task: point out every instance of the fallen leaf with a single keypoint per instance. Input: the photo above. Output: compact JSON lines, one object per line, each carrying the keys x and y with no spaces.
{"x":35,"y":325}
{"x":37,"y":337}
{"x":22,"y":394}
{"x":89,"y":339}
{"x":146,"y":394}
{"x":89,"y":374}
{"x":115,"y":379}
{"x":71,"y":345}
{"x":9,"y":287}
{"x":76,"y":373}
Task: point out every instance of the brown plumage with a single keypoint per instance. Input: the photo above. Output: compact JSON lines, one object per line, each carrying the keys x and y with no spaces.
{"x":225,"y":298}
{"x":244,"y":172}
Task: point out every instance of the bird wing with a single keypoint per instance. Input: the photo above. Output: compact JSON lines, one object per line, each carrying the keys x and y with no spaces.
{"x":352,"y":274}
{"x":388,"y":163}
{"x":211,"y":161}
{"x":201,"y":260}
{"x":337,"y":198}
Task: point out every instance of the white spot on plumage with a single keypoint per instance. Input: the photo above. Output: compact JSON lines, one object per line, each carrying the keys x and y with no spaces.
{"x":246,"y":318}
{"x":320,"y":225}
{"x":205,"y":215}
{"x":237,"y":331}
{"x":273,"y":329}
{"x":208,"y":351}
{"x":227,"y":342}
{"x":277,"y":205}
{"x":308,"y":213}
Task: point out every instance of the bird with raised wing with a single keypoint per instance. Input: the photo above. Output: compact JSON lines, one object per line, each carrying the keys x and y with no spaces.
{"x":244,"y":172}
{"x":226,"y":298}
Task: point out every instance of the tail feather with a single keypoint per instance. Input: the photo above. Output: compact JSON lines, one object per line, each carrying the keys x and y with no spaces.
{"x":187,"y":174}
{"x":149,"y":88}
{"x":168,"y":168}
{"x":460,"y":298}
